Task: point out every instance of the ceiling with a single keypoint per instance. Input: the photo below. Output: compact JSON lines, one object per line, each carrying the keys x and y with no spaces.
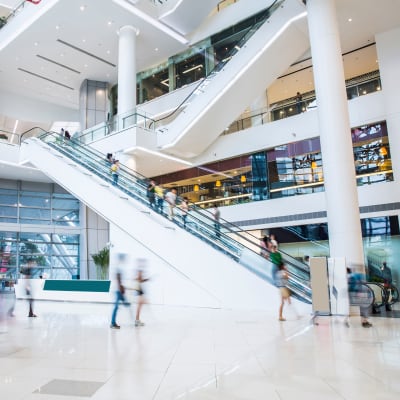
{"x":77,"y":40}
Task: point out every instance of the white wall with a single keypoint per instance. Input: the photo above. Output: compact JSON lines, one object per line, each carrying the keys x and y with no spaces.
{"x":19,"y":106}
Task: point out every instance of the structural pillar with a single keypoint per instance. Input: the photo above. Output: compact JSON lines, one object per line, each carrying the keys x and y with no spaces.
{"x":389,"y":64}
{"x":344,"y":227}
{"x":127,"y":70}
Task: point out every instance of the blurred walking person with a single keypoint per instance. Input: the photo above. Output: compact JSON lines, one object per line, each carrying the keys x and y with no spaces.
{"x":184,"y":206}
{"x":170,"y":198}
{"x":159,"y":192}
{"x":120,"y":290}
{"x":140,"y":279}
{"x":115,"y":172}
{"x":151,"y":193}
{"x":281,"y":280}
{"x":28,"y":273}
{"x":217,"y":215}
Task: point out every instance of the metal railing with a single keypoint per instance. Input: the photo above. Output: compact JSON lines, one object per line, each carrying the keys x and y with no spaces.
{"x":228,"y":238}
{"x":203,"y":83}
{"x":5,"y":20}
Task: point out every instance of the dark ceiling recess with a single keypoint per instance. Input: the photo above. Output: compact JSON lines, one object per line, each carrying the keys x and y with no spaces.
{"x":46,"y":79}
{"x":57,"y":63}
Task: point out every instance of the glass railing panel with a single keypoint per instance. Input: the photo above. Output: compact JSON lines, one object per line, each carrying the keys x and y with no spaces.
{"x":200,"y":222}
{"x":218,"y":67}
{"x":33,"y":132}
{"x":127,"y":120}
{"x":355,"y":87}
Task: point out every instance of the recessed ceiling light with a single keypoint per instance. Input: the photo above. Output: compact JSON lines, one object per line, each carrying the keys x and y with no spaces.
{"x":57,"y":27}
{"x":82,"y":8}
{"x":36,"y":44}
{"x":85,"y":65}
{"x":108,"y":51}
{"x":109,"y":23}
{"x":62,"y":55}
{"x":350,"y":19}
{"x":83,"y":40}
{"x":156,"y":49}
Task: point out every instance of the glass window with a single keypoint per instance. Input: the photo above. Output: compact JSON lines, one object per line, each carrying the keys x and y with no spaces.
{"x":35,"y":214}
{"x":6,"y":211}
{"x":295,"y":168}
{"x":65,"y":203}
{"x":259,"y":173}
{"x":155,"y":85}
{"x":8,"y":197}
{"x":190,"y":70}
{"x":371,"y":151}
{"x":55,"y":255}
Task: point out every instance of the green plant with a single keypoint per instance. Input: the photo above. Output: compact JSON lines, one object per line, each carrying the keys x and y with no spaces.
{"x":102,"y":262}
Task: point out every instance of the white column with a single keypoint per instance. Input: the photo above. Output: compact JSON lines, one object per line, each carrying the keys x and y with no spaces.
{"x":344,"y":227}
{"x":127,"y":69}
{"x":389,"y":64}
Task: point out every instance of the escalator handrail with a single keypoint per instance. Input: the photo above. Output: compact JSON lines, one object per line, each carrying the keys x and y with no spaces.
{"x":231,"y":228}
{"x":222,"y":63}
{"x":29,"y":130}
{"x":226,"y":243}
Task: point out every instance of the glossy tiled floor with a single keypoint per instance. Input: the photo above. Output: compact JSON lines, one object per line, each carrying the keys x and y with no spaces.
{"x":69,"y":352}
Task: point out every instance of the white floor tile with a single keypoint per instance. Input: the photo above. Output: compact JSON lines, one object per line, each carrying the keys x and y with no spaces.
{"x":190,"y":353}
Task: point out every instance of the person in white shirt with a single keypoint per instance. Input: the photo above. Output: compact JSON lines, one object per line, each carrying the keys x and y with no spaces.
{"x":170,"y":198}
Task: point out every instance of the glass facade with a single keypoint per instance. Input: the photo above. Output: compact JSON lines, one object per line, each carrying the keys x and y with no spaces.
{"x":287,"y":170}
{"x":44,"y":208}
{"x":381,"y":243}
{"x":50,"y":255}
{"x":39,"y":225}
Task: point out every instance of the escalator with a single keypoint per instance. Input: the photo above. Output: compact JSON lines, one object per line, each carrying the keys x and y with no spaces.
{"x":85,"y":173}
{"x":263,"y":53}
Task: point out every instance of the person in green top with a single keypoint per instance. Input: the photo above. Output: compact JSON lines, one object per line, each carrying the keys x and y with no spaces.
{"x":275,"y":256}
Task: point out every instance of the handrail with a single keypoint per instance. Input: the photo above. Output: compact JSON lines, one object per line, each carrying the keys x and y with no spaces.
{"x":113,"y":126}
{"x":246,"y":36}
{"x":358,"y":80}
{"x":202,"y":223}
{"x":16,"y":9}
{"x":29,"y":130}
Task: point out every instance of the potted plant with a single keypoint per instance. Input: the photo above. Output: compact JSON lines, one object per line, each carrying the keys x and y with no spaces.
{"x":102,"y":262}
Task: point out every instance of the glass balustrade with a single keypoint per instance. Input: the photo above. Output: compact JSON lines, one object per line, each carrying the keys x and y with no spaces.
{"x":199,"y":66}
{"x":229,"y":239}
